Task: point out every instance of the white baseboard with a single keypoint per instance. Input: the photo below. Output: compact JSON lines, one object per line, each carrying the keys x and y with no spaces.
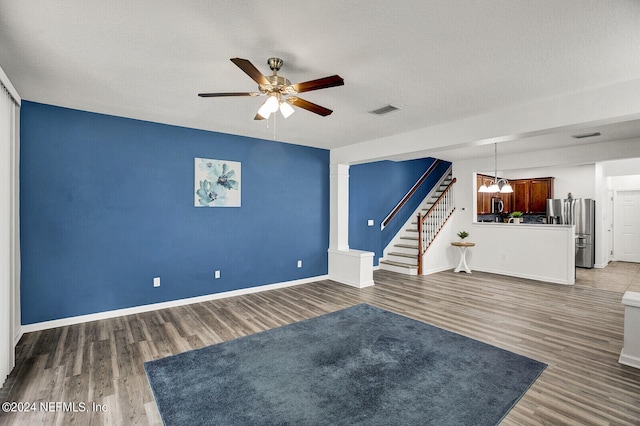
{"x":162,"y":305}
{"x":440,"y":269}
{"x":17,"y":336}
{"x":526,"y":276}
{"x":356,"y":284}
{"x":630,"y":360}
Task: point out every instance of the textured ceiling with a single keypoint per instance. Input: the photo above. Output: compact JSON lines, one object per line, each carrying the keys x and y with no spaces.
{"x":439,"y":61}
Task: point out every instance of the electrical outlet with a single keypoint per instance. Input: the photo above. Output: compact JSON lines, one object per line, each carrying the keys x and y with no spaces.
{"x":299,"y":263}
{"x":370,"y":222}
{"x":156,"y":282}
{"x":216,"y":274}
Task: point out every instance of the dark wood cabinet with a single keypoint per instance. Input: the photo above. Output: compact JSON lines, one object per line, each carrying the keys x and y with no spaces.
{"x":530,"y":195}
{"x":540,"y":190}
{"x":507,"y":199}
{"x":483,"y":199}
{"x":520,"y":195}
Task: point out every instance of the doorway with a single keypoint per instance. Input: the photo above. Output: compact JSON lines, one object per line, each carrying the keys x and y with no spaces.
{"x":626,"y":239}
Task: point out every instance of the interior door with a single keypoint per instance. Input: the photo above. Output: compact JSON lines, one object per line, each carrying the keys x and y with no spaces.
{"x":627,"y":226}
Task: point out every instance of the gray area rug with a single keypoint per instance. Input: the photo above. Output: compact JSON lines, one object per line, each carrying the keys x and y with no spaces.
{"x":358,"y":366}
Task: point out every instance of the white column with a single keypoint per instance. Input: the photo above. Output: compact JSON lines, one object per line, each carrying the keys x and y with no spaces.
{"x":351,"y":267}
{"x":339,"y":206}
{"x":630,"y":354}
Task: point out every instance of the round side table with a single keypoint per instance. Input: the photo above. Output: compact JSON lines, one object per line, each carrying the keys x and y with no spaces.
{"x":462,"y":265}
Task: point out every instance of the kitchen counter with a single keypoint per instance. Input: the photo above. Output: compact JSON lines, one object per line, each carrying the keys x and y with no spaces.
{"x":513,"y":225}
{"x":543,"y":252}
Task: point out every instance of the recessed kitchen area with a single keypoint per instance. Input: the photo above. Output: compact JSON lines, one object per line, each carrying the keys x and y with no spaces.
{"x":541,"y":246}
{"x":531,"y":201}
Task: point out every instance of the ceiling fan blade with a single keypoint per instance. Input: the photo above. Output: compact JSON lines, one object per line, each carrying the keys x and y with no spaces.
{"x":321,"y":83}
{"x":250,"y":70}
{"x":310,"y":106}
{"x":218,"y":95}
{"x":258,"y":117}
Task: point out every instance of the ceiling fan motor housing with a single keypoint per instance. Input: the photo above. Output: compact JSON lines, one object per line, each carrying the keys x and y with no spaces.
{"x":275,"y":63}
{"x":277,"y":84}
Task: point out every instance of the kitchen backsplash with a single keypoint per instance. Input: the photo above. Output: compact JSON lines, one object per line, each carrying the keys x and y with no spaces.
{"x":527,"y":218}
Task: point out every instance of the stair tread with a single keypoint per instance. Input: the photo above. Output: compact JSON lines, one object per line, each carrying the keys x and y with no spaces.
{"x":409,"y":255}
{"x":399,"y":264}
{"x":409,"y":246}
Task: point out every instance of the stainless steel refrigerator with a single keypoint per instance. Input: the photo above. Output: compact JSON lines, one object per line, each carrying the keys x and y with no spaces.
{"x":581,"y":213}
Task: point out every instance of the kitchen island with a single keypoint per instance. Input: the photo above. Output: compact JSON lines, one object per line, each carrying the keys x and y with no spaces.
{"x":534,"y":251}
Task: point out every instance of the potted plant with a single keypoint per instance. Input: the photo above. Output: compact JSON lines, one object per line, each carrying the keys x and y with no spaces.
{"x":516,"y":217}
{"x":463,"y":235}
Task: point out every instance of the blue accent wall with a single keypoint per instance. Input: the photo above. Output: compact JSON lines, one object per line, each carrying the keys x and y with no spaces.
{"x":374,"y":191}
{"x":107,"y":204}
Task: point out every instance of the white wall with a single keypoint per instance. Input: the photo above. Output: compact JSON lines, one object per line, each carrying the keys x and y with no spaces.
{"x":625,"y":167}
{"x":536,"y":252}
{"x":624,"y":183}
{"x":441,"y":255}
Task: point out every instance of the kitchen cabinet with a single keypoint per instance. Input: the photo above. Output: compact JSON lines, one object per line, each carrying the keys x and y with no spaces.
{"x":483,"y":199}
{"x":530,"y":195}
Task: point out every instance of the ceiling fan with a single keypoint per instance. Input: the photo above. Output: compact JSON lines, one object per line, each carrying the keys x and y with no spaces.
{"x":279,"y":91}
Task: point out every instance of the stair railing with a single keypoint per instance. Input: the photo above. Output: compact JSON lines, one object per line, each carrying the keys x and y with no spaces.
{"x":409,"y":194}
{"x":430,"y":224}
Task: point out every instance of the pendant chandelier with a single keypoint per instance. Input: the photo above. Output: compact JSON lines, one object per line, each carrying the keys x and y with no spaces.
{"x":496,"y":185}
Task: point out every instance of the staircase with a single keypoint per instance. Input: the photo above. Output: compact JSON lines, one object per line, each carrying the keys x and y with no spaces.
{"x":403,"y":252}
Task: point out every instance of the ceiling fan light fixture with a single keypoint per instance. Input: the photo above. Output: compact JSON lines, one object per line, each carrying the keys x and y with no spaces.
{"x":269,"y":106}
{"x":286,"y":110}
{"x":264,"y":112}
{"x":272,"y":103}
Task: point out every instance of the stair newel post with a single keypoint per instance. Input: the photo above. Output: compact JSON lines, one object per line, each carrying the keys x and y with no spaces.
{"x":419,"y":244}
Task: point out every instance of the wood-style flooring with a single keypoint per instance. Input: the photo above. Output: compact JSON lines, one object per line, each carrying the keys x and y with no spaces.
{"x":577,"y":330}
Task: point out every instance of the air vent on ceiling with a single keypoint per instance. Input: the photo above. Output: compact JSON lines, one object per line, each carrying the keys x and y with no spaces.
{"x":384,"y":110}
{"x":586,"y":135}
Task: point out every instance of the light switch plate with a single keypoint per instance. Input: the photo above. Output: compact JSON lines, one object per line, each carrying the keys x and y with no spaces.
{"x":370,"y":222}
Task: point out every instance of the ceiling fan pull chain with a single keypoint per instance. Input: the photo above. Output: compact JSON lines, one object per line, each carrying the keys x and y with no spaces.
{"x":274,"y":126}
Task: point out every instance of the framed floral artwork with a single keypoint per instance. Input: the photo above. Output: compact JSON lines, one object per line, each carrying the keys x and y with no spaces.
{"x":217,"y":183}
